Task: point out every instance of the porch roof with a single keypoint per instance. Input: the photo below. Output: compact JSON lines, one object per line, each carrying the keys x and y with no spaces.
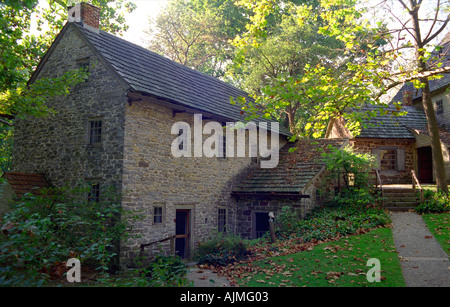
{"x":294,"y":170}
{"x":389,"y":126}
{"x":23,"y":183}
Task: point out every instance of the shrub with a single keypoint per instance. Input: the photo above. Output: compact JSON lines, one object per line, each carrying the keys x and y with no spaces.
{"x":222,"y":250}
{"x":332,"y":220}
{"x":434,"y":202}
{"x":166,"y":271}
{"x":43,"y":231}
{"x":287,"y":221}
{"x":353,"y":167}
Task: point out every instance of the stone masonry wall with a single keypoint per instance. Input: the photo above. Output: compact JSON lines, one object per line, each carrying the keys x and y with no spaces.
{"x":57,"y":145}
{"x":406,"y":148}
{"x":152,"y":177}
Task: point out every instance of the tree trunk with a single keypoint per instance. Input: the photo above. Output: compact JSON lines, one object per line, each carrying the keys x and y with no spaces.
{"x":438,"y":158}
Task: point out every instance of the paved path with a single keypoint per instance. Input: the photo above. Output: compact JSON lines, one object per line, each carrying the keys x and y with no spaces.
{"x":205,"y":278}
{"x":424,"y":262}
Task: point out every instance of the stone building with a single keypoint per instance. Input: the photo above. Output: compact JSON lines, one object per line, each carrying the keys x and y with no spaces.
{"x":118,"y":128}
{"x":403,"y":143}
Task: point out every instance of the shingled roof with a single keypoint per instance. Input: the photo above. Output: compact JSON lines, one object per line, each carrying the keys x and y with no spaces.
{"x":293,"y":172}
{"x":147,"y":72}
{"x":23,"y":183}
{"x":435,"y":84}
{"x":389,"y":126}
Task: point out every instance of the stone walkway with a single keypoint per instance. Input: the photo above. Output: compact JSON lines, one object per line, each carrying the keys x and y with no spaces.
{"x":424,"y":262}
{"x":205,"y":278}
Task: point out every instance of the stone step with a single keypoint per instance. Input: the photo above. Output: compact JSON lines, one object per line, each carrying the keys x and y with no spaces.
{"x":400,"y":199}
{"x":399,"y":209}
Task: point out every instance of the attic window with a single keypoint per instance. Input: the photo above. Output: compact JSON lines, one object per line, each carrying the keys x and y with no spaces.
{"x":83,"y":65}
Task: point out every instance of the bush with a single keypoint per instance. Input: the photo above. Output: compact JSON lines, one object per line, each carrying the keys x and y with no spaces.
{"x":337,"y":219}
{"x":166,"y":271}
{"x":43,"y":231}
{"x":434,"y":202}
{"x":354,"y":168}
{"x":222,"y":250}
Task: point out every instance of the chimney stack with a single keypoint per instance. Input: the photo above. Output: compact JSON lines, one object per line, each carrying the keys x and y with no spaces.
{"x":86,"y":14}
{"x":407,"y":98}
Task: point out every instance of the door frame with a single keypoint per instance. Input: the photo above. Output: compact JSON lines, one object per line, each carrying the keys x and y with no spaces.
{"x":188,"y":235}
{"x":420,"y":151}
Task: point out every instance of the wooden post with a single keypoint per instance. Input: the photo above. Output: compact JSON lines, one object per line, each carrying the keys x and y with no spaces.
{"x":272,"y":230}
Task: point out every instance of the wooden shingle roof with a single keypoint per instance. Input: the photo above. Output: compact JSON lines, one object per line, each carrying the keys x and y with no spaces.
{"x":150,"y":73}
{"x":294,"y":170}
{"x":389,"y":126}
{"x":23,"y":183}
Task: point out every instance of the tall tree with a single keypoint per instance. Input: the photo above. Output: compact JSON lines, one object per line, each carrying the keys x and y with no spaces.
{"x":197,"y":33}
{"x":304,"y":74}
{"x":411,"y":31}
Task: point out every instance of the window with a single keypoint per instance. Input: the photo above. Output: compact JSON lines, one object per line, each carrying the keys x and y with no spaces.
{"x":222,"y":220}
{"x":183,"y":140}
{"x":439,"y":107}
{"x":95,"y":131}
{"x":94,"y":193}
{"x":388,"y":159}
{"x":83,"y":64}
{"x":157,"y":215}
{"x":222,"y":142}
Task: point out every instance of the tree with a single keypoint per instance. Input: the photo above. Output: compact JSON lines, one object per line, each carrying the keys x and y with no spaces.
{"x":196,"y":33}
{"x":393,"y":68}
{"x":296,"y":71}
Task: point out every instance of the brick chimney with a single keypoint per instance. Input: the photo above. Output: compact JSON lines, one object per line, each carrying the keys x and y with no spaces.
{"x":86,"y":14}
{"x":407,"y":98}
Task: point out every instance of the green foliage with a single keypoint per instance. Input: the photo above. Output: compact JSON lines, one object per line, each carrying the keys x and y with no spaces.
{"x":434,"y":202}
{"x":222,"y":249}
{"x":21,"y":52}
{"x":197,"y":33}
{"x":354,"y":167}
{"x":43,"y":231}
{"x":166,"y":271}
{"x":340,"y":218}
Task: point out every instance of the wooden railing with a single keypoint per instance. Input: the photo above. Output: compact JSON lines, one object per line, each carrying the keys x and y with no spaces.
{"x":172,"y":244}
{"x":415,"y":182}
{"x":380,"y":184}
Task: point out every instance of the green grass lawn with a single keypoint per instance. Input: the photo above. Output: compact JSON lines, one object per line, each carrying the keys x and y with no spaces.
{"x":341,"y":263}
{"x":439,"y":226}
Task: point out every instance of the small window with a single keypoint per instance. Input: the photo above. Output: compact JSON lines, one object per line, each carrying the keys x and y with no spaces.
{"x":94,"y":193}
{"x":388,"y":159}
{"x":222,"y":220}
{"x":95,"y":131}
{"x":439,"y":107}
{"x":182,"y":140}
{"x":83,"y":64}
{"x":222,"y":152}
{"x":157,"y":215}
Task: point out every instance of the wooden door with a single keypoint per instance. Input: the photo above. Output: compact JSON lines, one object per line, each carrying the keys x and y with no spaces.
{"x":425,"y":164}
{"x":182,"y":227}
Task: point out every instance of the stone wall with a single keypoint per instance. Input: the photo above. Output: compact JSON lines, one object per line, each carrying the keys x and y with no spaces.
{"x":58,"y":145}
{"x":318,"y":191}
{"x":153,"y":177}
{"x":406,"y":156}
